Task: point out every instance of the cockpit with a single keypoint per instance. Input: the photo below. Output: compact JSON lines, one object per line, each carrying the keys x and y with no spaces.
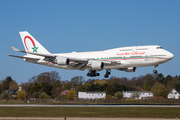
{"x":159,"y":48}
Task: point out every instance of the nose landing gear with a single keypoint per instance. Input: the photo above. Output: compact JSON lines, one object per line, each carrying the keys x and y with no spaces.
{"x":155,"y":71}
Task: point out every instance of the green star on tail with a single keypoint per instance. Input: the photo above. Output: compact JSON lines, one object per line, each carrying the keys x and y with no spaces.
{"x":35,"y":48}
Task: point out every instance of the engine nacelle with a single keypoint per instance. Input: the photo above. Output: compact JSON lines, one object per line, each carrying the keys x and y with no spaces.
{"x":62,"y":61}
{"x":97,"y":65}
{"x":129,"y":69}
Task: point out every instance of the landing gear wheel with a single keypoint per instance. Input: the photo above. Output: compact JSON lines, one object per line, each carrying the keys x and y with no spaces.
{"x":97,"y":74}
{"x":155,"y":71}
{"x":106,"y":76}
{"x":107,"y":73}
{"x":88,"y":74}
{"x":92,"y":73}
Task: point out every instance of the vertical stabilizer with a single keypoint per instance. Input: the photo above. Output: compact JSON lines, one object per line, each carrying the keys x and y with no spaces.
{"x":31,"y":44}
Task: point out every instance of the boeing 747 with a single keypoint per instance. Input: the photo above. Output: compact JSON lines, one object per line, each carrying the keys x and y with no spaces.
{"x":124,"y":58}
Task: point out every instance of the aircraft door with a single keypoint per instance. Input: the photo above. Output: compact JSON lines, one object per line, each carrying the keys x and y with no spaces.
{"x":148,"y":60}
{"x":98,"y":57}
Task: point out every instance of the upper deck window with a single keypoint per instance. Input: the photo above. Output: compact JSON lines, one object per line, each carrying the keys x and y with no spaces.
{"x":126,"y":50}
{"x":142,"y":49}
{"x":157,"y":55}
{"x":159,"y":48}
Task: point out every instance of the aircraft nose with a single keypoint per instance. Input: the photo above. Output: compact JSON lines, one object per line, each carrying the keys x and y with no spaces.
{"x":170,"y":55}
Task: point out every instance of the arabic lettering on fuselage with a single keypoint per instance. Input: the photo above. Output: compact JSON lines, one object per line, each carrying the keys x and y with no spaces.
{"x":132,"y":53}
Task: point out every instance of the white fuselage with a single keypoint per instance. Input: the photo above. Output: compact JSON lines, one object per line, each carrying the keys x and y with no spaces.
{"x":136,"y":56}
{"x":123,"y":58}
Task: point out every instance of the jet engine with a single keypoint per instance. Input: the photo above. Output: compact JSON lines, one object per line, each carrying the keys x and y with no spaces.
{"x":62,"y":61}
{"x":97,"y":65}
{"x":129,"y":69}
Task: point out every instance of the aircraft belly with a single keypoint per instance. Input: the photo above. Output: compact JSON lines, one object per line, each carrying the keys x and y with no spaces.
{"x":137,"y":63}
{"x":124,"y":64}
{"x":115,"y":66}
{"x":150,"y":62}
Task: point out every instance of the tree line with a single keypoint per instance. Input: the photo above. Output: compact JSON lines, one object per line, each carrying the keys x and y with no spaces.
{"x":49,"y":85}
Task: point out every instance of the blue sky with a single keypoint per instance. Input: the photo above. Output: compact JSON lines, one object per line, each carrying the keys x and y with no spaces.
{"x":63,"y":26}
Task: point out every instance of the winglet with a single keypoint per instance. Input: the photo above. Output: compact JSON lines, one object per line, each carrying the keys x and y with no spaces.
{"x":15,"y":49}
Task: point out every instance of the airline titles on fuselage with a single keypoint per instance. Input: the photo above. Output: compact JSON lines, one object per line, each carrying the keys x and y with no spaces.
{"x":131,"y":53}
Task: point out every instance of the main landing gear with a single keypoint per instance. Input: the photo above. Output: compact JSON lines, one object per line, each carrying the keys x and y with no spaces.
{"x":155,"y":67}
{"x":107,"y":73}
{"x":92,"y":73}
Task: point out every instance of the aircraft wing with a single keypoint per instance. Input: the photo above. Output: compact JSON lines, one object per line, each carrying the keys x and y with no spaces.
{"x":51,"y":56}
{"x":78,"y":60}
{"x":75,"y":63}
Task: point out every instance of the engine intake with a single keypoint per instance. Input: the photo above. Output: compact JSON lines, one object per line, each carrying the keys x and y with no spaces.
{"x":62,"y":61}
{"x":97,"y":65}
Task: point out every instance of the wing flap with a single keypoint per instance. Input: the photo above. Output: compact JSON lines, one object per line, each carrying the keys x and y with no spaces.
{"x":77,"y":66}
{"x":78,"y":60}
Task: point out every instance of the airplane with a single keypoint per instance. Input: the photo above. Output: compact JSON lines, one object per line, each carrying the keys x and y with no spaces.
{"x":124,"y":58}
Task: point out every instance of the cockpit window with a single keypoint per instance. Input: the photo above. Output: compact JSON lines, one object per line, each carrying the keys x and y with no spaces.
{"x":159,"y":48}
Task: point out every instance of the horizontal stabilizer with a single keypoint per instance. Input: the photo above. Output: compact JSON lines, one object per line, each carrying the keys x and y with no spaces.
{"x":15,"y":49}
{"x":38,"y":54}
{"x":23,"y":57}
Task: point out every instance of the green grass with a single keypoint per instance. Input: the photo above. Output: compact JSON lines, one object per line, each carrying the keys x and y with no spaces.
{"x":129,"y":112}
